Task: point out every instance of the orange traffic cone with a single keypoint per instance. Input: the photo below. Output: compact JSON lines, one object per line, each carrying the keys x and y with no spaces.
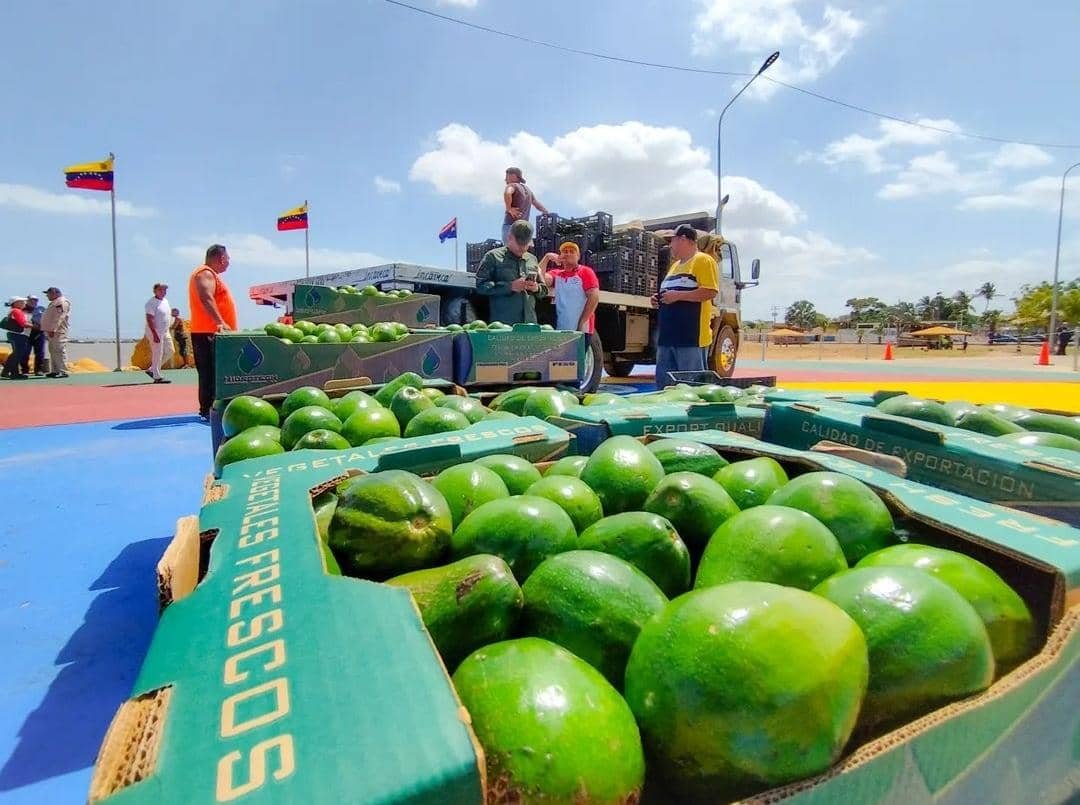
{"x":888,"y":350}
{"x":1044,"y":355}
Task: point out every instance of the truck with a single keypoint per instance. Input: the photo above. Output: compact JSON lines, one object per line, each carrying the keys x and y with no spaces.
{"x":626,"y":324}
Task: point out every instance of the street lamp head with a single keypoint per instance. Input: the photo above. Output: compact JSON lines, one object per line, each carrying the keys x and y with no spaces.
{"x":769,"y":62}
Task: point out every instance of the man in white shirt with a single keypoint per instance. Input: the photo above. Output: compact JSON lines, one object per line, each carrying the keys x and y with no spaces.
{"x":158,"y":314}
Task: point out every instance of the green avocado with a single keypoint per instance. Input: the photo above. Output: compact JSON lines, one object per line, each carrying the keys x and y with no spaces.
{"x":917,"y":408}
{"x":553,"y":730}
{"x":647,"y":541}
{"x":981,"y":420}
{"x":684,"y":455}
{"x":512,"y":400}
{"x":695,"y":504}
{"x":466,"y":604}
{"x":407,"y":402}
{"x":960,"y":407}
{"x":751,"y":482}
{"x":592,"y":604}
{"x":1051,"y":423}
{"x":1058,"y":441}
{"x":384,"y":395}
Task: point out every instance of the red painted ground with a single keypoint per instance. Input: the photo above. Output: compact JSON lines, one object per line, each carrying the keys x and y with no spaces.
{"x":25,"y":404}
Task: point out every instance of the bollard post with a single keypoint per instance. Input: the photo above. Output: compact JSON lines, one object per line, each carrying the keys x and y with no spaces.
{"x":1076,"y":350}
{"x":764,"y":341}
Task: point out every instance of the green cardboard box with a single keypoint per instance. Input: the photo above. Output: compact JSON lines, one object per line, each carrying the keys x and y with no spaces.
{"x":815,"y":395}
{"x":593,"y":424}
{"x":260,"y":364}
{"x":1040,"y":480}
{"x":1016,"y":742}
{"x":524,"y":355}
{"x":320,"y":303}
{"x":271,"y":678}
{"x":274,"y":681}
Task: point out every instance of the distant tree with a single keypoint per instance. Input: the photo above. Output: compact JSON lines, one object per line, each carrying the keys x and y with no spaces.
{"x":903,"y":315}
{"x":1033,"y":303}
{"x":987,"y":291}
{"x":821,"y":320}
{"x":961,"y":307}
{"x":801,"y":314}
{"x":990,"y":319}
{"x":865,"y":309}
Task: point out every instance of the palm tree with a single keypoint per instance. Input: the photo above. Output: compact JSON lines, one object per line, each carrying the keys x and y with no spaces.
{"x":986,"y":291}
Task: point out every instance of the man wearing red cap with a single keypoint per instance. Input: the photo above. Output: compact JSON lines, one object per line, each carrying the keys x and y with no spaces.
{"x":576,"y":289}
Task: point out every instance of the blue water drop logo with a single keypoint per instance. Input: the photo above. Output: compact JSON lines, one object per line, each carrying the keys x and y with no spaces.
{"x":423,"y":313}
{"x":431,"y":362}
{"x":250,"y":358}
{"x":313,"y":297}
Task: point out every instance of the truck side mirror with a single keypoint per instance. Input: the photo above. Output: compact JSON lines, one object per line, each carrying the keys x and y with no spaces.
{"x":755,"y":268}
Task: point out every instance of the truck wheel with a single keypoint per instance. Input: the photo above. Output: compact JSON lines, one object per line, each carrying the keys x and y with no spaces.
{"x":724,"y":351}
{"x":617,"y":368}
{"x":594,"y":364}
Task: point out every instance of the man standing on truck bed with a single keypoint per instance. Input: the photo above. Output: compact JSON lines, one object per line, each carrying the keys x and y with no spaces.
{"x":684,"y":302}
{"x":518,"y":200}
{"x":212,"y":311}
{"x":510,"y":277}
{"x":577,"y":290}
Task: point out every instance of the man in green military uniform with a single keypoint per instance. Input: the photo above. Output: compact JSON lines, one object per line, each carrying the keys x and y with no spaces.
{"x":510,"y":276}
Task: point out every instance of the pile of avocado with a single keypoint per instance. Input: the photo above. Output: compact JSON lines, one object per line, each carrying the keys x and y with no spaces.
{"x":654,"y":620}
{"x":1008,"y":423}
{"x":307,"y":332}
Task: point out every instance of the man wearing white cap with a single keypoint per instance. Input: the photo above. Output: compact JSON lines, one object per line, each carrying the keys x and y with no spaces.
{"x":55,"y":322}
{"x":158,"y":313}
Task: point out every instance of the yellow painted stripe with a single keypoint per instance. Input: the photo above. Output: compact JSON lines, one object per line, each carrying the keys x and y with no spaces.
{"x":1056,"y":396}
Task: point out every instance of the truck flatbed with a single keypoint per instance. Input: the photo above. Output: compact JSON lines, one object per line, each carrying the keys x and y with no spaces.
{"x":278,"y":293}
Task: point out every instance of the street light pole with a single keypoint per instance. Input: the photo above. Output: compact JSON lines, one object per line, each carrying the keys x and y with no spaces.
{"x":720,"y":200}
{"x":1057,"y":259}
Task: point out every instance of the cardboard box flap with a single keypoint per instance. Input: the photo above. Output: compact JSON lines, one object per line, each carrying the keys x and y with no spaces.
{"x":711,"y":409}
{"x":277,"y":688}
{"x":407,"y":459}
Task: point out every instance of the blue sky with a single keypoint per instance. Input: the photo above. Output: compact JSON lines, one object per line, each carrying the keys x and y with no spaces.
{"x":223,"y":115}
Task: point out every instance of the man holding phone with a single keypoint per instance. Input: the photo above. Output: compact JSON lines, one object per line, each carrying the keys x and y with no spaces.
{"x":684,"y":303}
{"x":510,"y":276}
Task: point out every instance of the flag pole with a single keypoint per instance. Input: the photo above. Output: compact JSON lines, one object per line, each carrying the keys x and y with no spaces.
{"x":307,"y":259}
{"x":456,"y":238}
{"x":116,"y":272}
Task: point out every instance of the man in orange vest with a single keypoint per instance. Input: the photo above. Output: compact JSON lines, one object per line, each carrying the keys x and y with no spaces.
{"x":212,"y":311}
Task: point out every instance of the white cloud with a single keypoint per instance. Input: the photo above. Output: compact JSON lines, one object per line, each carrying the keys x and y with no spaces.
{"x":458,"y":3}
{"x":932,"y":174}
{"x":868,"y":151}
{"x":72,"y":203}
{"x":809,"y":48}
{"x":631,"y":170}
{"x":387,"y":185}
{"x":1043,"y":193}
{"x":248,"y":251}
{"x":1015,"y":156}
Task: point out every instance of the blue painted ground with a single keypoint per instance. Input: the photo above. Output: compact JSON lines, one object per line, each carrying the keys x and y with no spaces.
{"x":90,"y":510}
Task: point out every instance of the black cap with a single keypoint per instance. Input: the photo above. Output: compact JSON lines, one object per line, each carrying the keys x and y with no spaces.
{"x":686,"y":231}
{"x":53,"y":289}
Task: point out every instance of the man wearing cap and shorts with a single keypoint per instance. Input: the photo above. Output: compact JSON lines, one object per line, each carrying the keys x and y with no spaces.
{"x":577,"y":291}
{"x":518,"y":200}
{"x":684,"y":302}
{"x":212,"y":311}
{"x":55,"y":322}
{"x":158,"y":311}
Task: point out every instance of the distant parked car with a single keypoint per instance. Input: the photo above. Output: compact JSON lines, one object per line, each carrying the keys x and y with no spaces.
{"x":1002,"y":338}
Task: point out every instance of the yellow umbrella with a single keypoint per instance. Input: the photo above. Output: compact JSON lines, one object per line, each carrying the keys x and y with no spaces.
{"x":930,"y":332}
{"x":785,"y":333}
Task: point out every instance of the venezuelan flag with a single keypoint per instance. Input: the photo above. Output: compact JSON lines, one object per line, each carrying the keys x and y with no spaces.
{"x":296,"y":218}
{"x":90,"y":175}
